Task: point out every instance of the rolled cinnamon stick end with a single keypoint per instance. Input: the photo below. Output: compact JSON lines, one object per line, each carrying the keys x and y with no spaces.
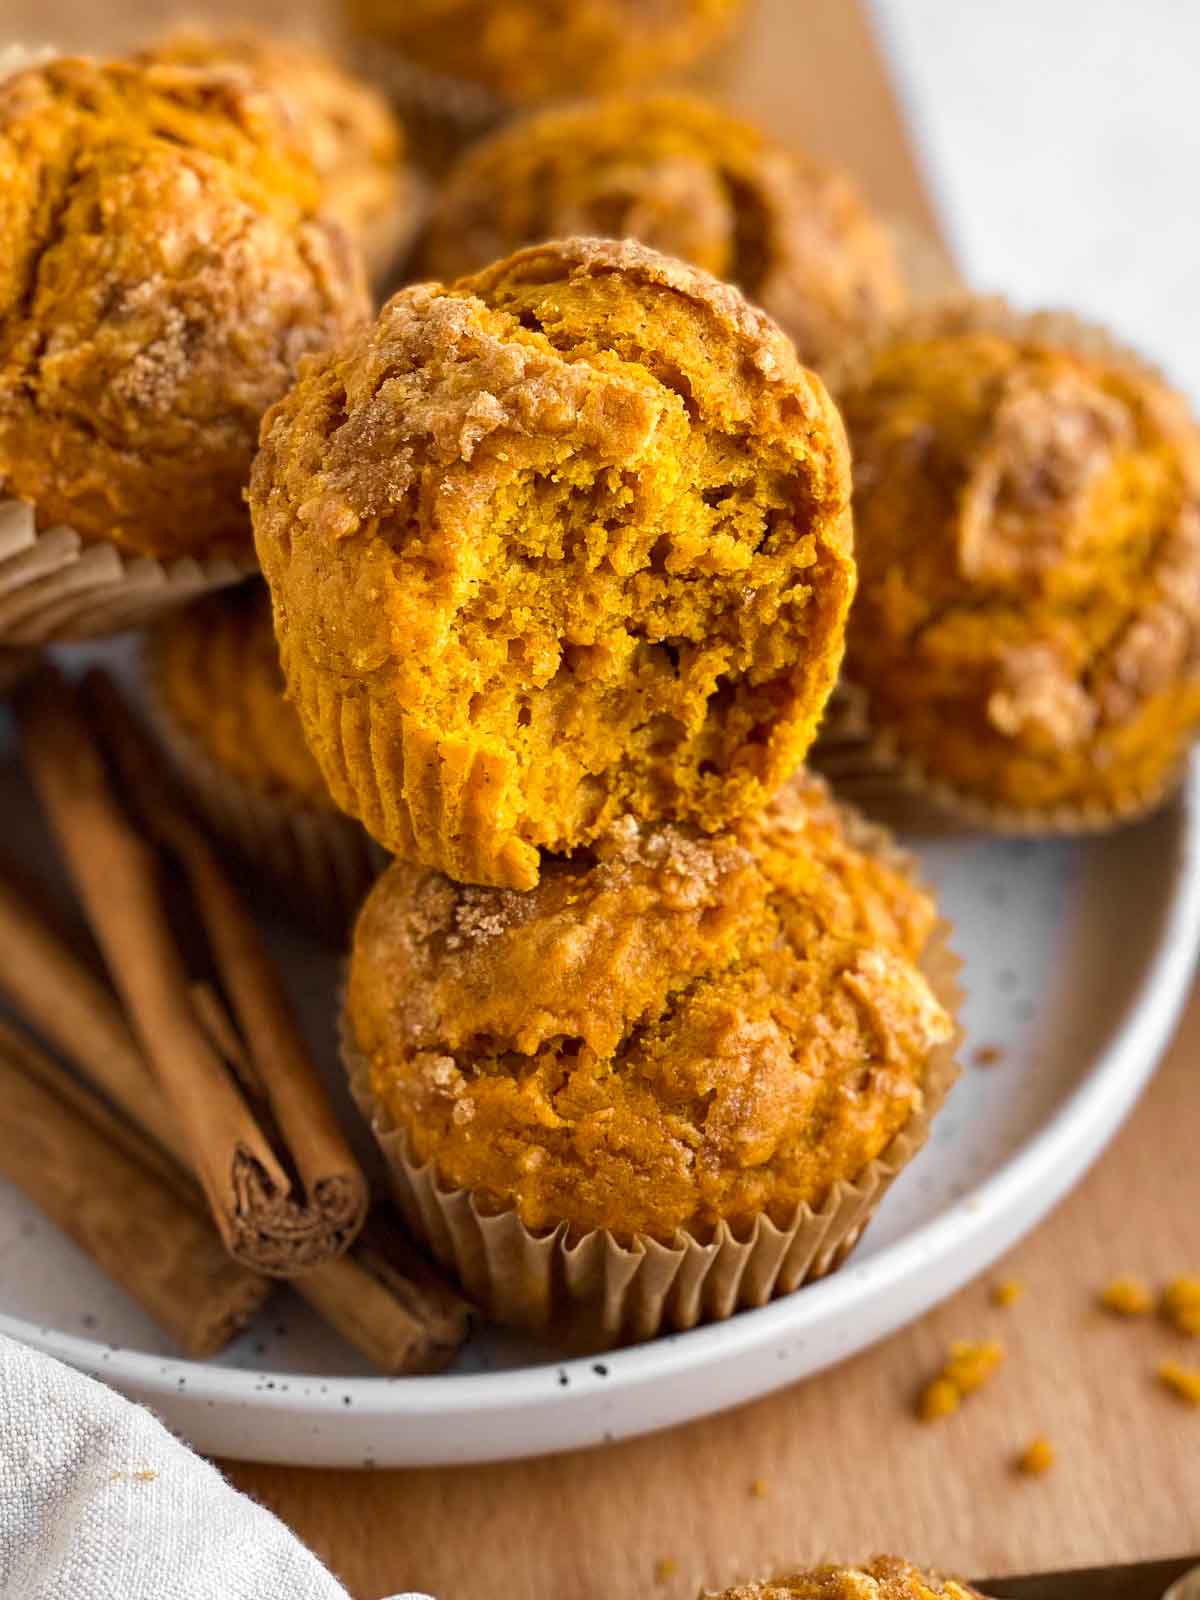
{"x":135,"y":1225}
{"x":387,"y":1300}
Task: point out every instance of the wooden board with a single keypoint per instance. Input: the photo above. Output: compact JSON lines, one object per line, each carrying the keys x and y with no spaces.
{"x":843,"y":1467}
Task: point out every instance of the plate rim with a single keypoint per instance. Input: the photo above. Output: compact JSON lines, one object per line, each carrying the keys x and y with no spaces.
{"x":1027,"y":1182}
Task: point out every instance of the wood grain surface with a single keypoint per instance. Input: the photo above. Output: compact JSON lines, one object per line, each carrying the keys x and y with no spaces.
{"x":837,"y":1466}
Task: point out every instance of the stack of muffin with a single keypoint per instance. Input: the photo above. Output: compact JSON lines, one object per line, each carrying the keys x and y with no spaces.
{"x":560,"y":570}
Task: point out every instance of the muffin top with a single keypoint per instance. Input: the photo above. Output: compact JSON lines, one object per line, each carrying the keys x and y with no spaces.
{"x":689,"y":179}
{"x":164,"y":269}
{"x":574,"y":534}
{"x":1027,"y":509}
{"x":885,"y":1578}
{"x":218,"y":679}
{"x":528,"y":51}
{"x":346,"y":127}
{"x":671,"y":1030}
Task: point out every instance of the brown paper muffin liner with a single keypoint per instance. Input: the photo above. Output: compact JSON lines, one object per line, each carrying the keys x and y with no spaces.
{"x":56,"y":586}
{"x":867,"y":768}
{"x":863,"y":758}
{"x":592,"y":1292}
{"x":319,"y":862}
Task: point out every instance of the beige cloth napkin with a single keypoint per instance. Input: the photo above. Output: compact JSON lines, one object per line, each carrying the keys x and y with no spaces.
{"x":99,"y":1502}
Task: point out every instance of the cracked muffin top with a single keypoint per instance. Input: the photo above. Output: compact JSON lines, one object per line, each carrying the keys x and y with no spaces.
{"x":164,"y":269}
{"x":886,"y":1578}
{"x":528,"y":51}
{"x":217,"y":676}
{"x":796,"y":237}
{"x":566,"y":540}
{"x":345,"y":126}
{"x":671,"y":1030}
{"x":1027,"y":511}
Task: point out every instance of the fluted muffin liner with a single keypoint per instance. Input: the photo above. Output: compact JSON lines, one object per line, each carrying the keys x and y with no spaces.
{"x":591,"y":1292}
{"x":56,"y":586}
{"x":861,"y":756}
{"x":319,"y":861}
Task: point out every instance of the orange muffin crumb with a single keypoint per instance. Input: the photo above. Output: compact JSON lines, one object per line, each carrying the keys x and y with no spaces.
{"x":525,"y":51}
{"x":1183,"y":1382}
{"x":566,"y":541}
{"x":1007,"y":1292}
{"x":885,"y":1578}
{"x":1181,"y":1305}
{"x":1037,"y":1457}
{"x":1127,"y":1297}
{"x":691,"y":180}
{"x":1027,"y":528}
{"x":967,"y":1368}
{"x":165,"y":268}
{"x":665,"y":1569}
{"x":670,"y":1031}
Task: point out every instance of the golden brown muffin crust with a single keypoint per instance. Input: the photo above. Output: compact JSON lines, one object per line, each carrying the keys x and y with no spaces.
{"x":1027,"y":503}
{"x":885,"y":1578}
{"x":526,"y":51}
{"x":566,"y":540}
{"x":692,"y":181}
{"x":217,"y":675}
{"x":671,"y":1030}
{"x":163,"y":271}
{"x":348,"y":130}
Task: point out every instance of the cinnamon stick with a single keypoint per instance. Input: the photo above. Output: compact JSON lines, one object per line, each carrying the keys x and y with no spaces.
{"x":65,"y":1002}
{"x":267,"y":1220}
{"x":382,"y":1297}
{"x":299,"y":1106}
{"x":390,"y":1303}
{"x":103,"y":1184}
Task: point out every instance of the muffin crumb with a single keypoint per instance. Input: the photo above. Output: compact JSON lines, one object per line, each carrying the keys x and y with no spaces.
{"x":988,"y":1055}
{"x":759,"y":1489}
{"x":665,"y":1569}
{"x":1037,"y":1457}
{"x":1183,"y":1382}
{"x":1007,"y":1292}
{"x":1181,"y":1305}
{"x":968,"y":1367}
{"x":1127,"y":1297}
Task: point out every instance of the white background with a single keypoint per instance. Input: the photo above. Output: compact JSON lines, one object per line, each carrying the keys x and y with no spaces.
{"x":1062,"y":140}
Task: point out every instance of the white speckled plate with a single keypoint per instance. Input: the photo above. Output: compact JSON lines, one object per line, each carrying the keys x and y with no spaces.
{"x":1078,"y":959}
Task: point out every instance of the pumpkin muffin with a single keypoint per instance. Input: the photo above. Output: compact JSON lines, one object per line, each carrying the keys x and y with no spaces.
{"x":355,"y":142}
{"x":165,"y":268}
{"x":523,"y":52}
{"x":885,"y":1578}
{"x":1026,"y":639}
{"x":676,"y":1037}
{"x":795,"y":236}
{"x":217,"y":691}
{"x":566,"y":540}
